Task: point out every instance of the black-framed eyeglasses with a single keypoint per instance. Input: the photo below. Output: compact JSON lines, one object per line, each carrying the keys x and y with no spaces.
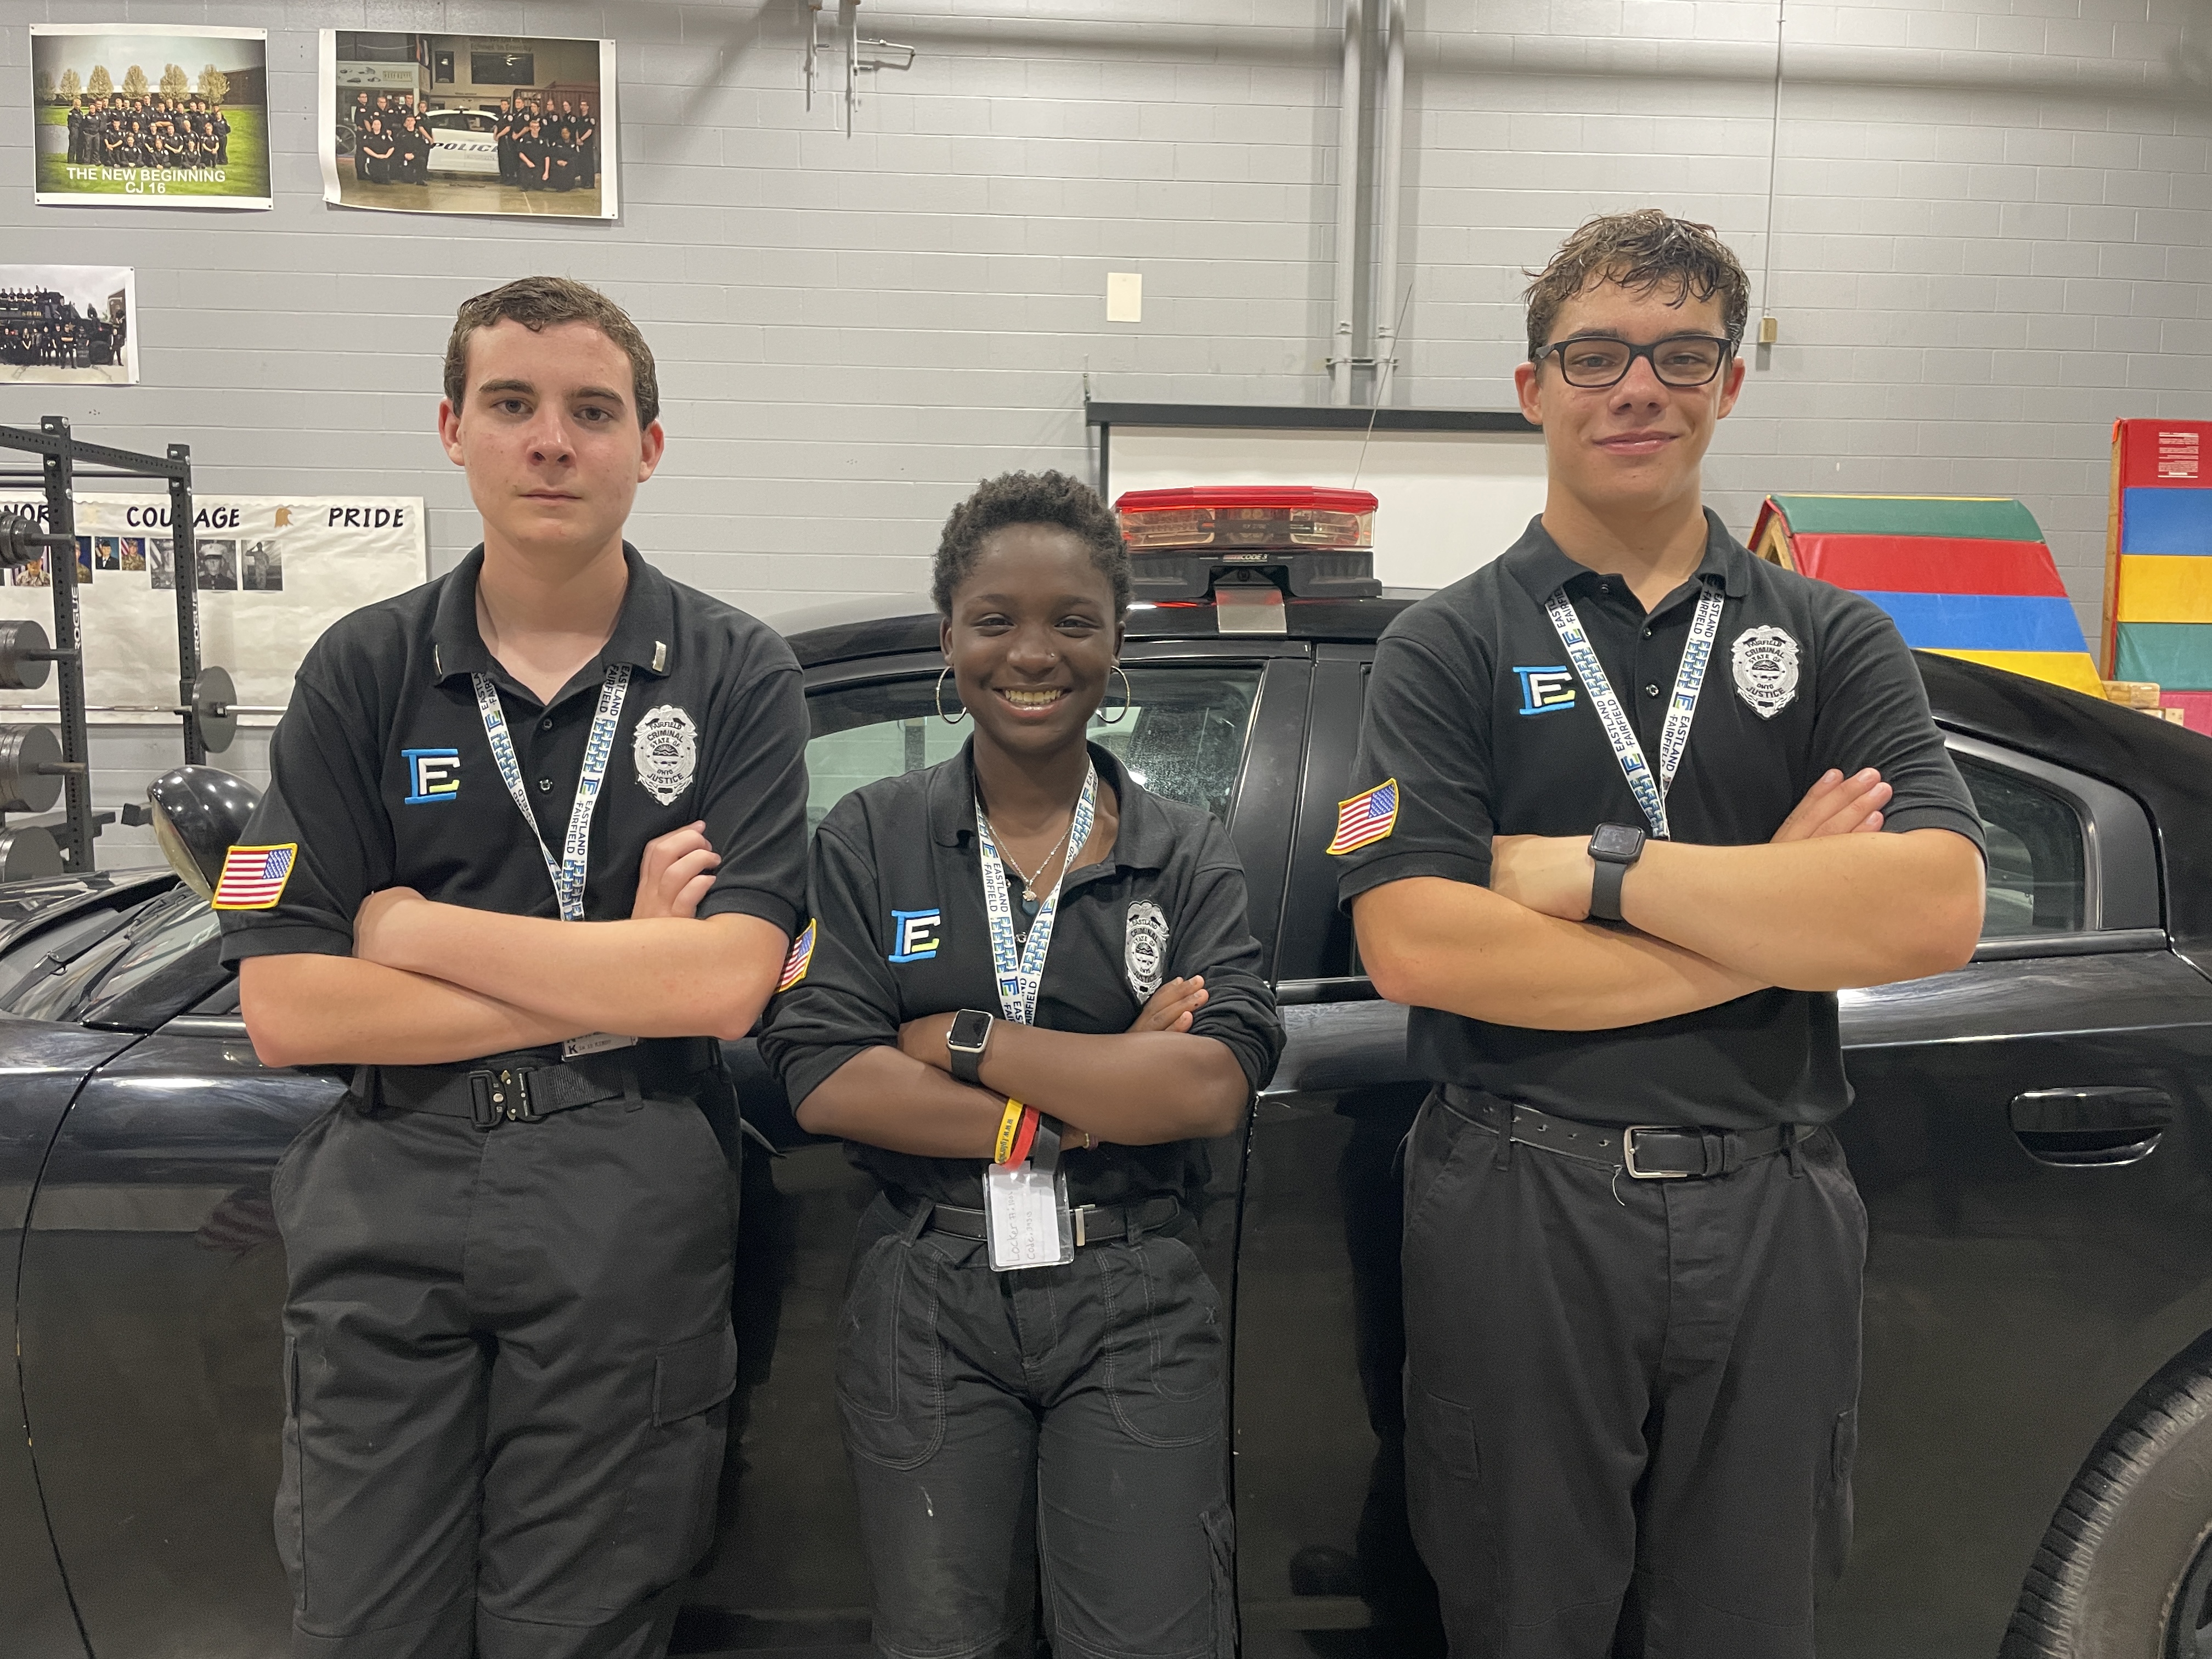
{"x":1594,"y":362}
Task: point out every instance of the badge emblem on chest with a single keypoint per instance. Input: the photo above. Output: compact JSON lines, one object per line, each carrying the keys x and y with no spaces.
{"x":1764,"y":661}
{"x":1145,"y":947}
{"x":666,"y":750}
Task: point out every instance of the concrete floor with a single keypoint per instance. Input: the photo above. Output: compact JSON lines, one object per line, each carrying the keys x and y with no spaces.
{"x":448,"y":194}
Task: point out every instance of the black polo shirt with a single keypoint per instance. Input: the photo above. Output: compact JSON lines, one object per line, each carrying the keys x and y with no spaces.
{"x":901,"y":932}
{"x":1476,"y":712}
{"x":381,"y":774}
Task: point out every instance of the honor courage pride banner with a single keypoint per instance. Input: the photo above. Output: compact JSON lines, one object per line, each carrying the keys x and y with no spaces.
{"x":273,"y":572}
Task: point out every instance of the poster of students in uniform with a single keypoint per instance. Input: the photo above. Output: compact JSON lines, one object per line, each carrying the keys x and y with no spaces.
{"x":67,"y":325}
{"x":496,"y":124}
{"x":131,"y":115}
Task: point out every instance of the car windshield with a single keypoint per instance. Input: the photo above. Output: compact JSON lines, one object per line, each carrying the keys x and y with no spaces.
{"x":92,"y":963}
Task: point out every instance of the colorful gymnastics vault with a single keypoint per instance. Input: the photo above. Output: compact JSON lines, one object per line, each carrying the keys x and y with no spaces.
{"x":2158,"y":562}
{"x":1963,"y":575}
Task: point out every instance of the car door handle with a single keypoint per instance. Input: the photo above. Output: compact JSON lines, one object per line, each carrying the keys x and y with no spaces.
{"x":2098,"y":1125}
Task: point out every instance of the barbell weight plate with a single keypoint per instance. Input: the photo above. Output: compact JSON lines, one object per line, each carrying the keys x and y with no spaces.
{"x":24,"y":751}
{"x":213,"y":698}
{"x":27,"y":854}
{"x":20,"y":669}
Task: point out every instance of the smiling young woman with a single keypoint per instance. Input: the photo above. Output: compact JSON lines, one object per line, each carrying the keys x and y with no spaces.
{"x":1033,"y":997}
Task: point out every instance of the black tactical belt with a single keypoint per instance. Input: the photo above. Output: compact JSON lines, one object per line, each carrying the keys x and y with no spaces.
{"x":534,"y":1083}
{"x":1651,"y":1151}
{"x":1094,"y":1224}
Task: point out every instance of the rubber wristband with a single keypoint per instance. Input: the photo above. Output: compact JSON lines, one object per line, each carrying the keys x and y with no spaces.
{"x":1025,"y":1137}
{"x":1008,"y":1123}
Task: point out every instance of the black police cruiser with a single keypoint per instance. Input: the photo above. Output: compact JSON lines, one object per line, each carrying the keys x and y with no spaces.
{"x":2033,"y":1135}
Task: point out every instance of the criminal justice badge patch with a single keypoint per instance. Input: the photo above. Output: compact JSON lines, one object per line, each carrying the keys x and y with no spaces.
{"x":666,"y":750}
{"x":1765,"y":663}
{"x":1145,"y":947}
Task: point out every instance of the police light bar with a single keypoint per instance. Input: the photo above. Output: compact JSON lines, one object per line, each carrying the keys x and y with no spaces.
{"x":1181,"y":541}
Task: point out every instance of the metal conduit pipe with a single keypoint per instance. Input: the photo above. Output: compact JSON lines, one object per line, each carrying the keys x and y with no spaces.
{"x":1344,"y":339}
{"x":1384,"y":305}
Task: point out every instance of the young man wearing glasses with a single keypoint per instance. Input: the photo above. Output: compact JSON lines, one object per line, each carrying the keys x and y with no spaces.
{"x":1619,"y":901}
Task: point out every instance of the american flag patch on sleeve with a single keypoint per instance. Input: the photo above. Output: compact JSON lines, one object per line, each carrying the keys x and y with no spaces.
{"x":1367,"y":818}
{"x":253,"y":878}
{"x":794,"y":965}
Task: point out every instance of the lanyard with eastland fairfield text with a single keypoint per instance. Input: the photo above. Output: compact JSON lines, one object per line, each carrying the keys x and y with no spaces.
{"x":1674,"y":736}
{"x":1020,"y":971}
{"x":568,"y":872}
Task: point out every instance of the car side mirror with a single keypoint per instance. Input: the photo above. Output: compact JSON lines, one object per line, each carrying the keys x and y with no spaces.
{"x":199,"y":813}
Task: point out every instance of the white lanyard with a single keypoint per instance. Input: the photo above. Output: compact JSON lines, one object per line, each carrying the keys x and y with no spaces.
{"x":1674,"y":735}
{"x":569,"y":874}
{"x":1021,"y":974}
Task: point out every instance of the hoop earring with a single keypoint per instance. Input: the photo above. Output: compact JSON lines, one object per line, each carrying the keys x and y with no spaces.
{"x":1127,"y":698}
{"x":949,"y":720}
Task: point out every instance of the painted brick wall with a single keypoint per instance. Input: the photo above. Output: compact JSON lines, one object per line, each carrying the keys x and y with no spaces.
{"x":1990,"y":239}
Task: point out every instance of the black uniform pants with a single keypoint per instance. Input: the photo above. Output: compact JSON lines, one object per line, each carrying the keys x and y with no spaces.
{"x":1630,"y":1406}
{"x":1066,"y":1421}
{"x":508,"y":1355}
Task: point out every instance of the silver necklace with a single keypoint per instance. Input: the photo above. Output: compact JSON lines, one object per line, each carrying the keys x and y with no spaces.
{"x":1028,"y":882}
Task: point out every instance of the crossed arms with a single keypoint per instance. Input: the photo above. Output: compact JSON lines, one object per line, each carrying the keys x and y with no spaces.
{"x":431,"y":982}
{"x":1828,"y":903}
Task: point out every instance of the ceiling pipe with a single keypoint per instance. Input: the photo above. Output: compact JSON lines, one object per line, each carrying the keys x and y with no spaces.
{"x":1384,"y":304}
{"x":1344,"y":339}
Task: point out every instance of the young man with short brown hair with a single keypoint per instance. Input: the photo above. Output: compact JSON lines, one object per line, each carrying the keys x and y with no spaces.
{"x":1620,"y":913}
{"x":534,"y":840}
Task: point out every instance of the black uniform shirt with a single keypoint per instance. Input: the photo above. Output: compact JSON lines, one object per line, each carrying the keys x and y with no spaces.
{"x":901,"y":932}
{"x":381,"y":775}
{"x":1476,"y":714}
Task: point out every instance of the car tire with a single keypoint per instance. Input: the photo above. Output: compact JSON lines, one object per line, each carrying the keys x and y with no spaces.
{"x":2125,"y":1570}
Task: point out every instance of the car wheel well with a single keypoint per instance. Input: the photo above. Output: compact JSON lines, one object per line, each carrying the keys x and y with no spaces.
{"x":2129,"y":1531}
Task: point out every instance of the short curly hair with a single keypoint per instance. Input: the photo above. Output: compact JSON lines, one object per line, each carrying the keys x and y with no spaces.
{"x":1643,"y":251}
{"x":538,"y":303}
{"x":1045,"y":498}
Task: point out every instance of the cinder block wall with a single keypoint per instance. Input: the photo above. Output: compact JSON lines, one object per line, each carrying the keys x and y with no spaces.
{"x":1989,"y":240}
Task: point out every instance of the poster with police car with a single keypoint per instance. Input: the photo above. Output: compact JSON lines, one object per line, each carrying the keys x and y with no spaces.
{"x":272,"y":573}
{"x":67,"y":325}
{"x":496,"y":123}
{"x":131,"y":115}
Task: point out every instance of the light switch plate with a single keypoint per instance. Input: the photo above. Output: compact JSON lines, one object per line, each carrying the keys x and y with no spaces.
{"x":1125,"y":296}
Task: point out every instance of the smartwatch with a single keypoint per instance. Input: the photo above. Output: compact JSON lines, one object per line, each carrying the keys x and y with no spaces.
{"x":965,"y":1042}
{"x":1613,"y":848}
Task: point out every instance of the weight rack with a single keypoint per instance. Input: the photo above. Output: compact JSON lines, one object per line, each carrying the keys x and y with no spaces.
{"x":62,"y":460}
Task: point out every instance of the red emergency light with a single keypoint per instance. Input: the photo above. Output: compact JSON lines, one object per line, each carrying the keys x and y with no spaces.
{"x":1183,"y":542}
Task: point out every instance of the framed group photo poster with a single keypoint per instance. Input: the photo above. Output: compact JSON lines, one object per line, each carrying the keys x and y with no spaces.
{"x":504,"y":125}
{"x":67,"y":325}
{"x":128,"y":115}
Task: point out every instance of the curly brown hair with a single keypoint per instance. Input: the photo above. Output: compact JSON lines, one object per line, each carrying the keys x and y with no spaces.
{"x":1011,"y":498}
{"x":537,"y":303}
{"x":1643,"y":251}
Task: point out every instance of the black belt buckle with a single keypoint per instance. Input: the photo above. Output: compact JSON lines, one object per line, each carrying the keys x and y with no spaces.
{"x":1628,"y":1154}
{"x":484,"y":1096}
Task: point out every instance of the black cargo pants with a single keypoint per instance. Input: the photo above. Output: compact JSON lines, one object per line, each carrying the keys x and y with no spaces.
{"x":507,"y":1353}
{"x":1060,"y":1423}
{"x":1632,"y":1406}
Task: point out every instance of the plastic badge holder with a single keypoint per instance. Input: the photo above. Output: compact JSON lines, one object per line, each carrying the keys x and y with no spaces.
{"x":1025,"y":1217}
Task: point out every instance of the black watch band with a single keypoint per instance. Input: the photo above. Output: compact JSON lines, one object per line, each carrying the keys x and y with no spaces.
{"x":1614,"y":849}
{"x":1604,"y":890}
{"x":964,"y":1044}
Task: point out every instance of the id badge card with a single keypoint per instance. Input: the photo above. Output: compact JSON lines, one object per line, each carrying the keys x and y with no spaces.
{"x":1025,"y":1218}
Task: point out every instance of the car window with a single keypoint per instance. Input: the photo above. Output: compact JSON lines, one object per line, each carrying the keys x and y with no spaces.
{"x":98,"y":963}
{"x":2038,"y":863}
{"x":1184,"y":735}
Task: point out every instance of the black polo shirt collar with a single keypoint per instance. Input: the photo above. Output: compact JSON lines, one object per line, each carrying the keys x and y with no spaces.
{"x":644,"y":636}
{"x":1542,"y":568}
{"x":1146,"y":841}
